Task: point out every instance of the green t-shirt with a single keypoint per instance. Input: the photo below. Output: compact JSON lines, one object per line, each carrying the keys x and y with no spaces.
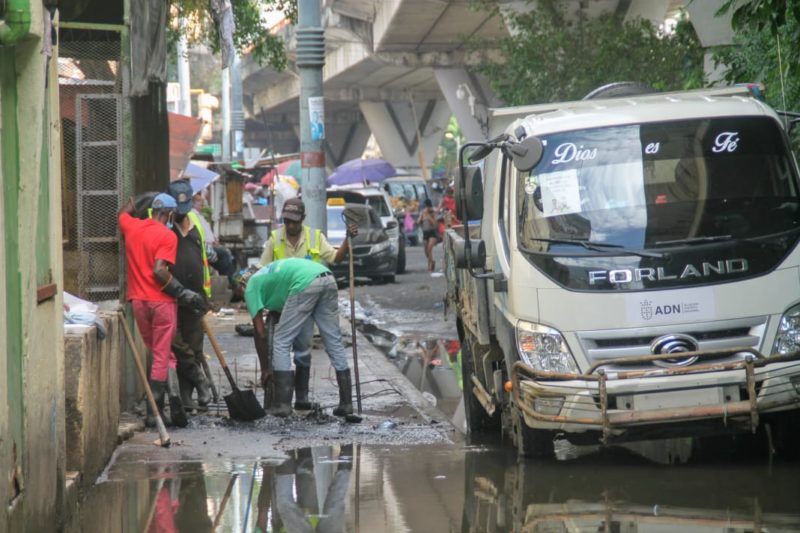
{"x":272,"y":285}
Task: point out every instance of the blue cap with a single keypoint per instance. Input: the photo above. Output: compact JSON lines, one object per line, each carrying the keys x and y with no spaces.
{"x":164,"y":201}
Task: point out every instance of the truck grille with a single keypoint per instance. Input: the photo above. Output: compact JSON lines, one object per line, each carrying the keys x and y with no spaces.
{"x":603,"y":345}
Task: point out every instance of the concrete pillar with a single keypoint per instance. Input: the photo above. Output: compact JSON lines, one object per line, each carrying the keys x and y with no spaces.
{"x":469,"y":98}
{"x":392,"y":124}
{"x":653,"y":10}
{"x":347,"y":136}
{"x":712,"y":31}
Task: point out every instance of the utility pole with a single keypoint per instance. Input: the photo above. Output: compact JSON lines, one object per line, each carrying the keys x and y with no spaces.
{"x":184,"y":76}
{"x":310,"y":60}
{"x":237,"y":110}
{"x":226,"y":115}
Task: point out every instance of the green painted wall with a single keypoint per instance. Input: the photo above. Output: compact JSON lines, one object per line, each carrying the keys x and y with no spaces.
{"x":31,"y":332}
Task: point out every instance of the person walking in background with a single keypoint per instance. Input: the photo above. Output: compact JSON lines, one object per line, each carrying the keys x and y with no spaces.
{"x":150,"y":250}
{"x":300,"y":290}
{"x":430,"y":236}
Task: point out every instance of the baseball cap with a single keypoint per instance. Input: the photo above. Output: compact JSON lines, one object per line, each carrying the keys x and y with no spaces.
{"x":164,"y":201}
{"x":181,"y":190}
{"x":294,"y":209}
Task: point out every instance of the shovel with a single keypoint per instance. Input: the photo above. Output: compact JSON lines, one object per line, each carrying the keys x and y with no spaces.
{"x":162,"y":430}
{"x":242,"y":405}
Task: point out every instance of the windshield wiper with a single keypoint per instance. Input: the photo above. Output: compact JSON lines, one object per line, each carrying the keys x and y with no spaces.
{"x":697,"y":240}
{"x":595,"y":247}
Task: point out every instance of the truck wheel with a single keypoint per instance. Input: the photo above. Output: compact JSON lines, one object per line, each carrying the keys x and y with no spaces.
{"x":533,"y":443}
{"x":401,"y":255}
{"x":478,"y":420}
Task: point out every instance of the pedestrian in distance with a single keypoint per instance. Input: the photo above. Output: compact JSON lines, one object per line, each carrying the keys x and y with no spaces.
{"x":430,"y":236}
{"x":296,"y":240}
{"x":191,"y":269}
{"x":300,"y":290}
{"x":150,"y":251}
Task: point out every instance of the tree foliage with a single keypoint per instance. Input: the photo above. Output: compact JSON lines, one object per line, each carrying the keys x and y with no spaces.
{"x":764,"y":50}
{"x":251,"y":34}
{"x":551,"y":56}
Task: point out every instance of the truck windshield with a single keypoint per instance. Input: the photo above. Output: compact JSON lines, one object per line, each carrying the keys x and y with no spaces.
{"x":659,"y":186}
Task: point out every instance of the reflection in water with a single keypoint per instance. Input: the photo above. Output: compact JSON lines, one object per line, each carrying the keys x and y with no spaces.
{"x":437,"y":488}
{"x":618,"y":491}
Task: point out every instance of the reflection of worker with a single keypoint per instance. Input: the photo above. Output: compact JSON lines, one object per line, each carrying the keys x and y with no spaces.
{"x":293,"y":512}
{"x":297,"y":240}
{"x":300,"y":290}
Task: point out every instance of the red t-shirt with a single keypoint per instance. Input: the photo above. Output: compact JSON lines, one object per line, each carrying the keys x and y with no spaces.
{"x":146,"y":241}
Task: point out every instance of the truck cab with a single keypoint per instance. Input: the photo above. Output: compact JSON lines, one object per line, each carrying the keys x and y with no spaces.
{"x":641,"y":280}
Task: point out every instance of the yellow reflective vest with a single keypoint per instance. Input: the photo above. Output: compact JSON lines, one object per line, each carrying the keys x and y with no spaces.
{"x":312,"y":246}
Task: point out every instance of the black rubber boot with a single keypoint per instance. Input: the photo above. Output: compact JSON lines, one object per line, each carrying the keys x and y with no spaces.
{"x":302,"y":375}
{"x":198,"y":379}
{"x":345,"y":393}
{"x":176,"y":411}
{"x":284,"y":387}
{"x":187,"y":388}
{"x":158,"y":388}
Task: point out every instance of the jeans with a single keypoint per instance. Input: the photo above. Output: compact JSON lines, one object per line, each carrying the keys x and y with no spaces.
{"x":320,"y":302}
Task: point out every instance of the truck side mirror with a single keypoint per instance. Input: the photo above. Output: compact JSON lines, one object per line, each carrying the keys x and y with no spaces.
{"x":526,"y":154}
{"x":470,"y":190}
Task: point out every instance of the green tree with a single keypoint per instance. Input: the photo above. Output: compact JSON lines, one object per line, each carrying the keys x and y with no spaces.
{"x":764,"y":50}
{"x":553,"y":57}
{"x":250,"y":35}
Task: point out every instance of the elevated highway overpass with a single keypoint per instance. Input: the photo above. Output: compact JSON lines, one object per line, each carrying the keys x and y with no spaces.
{"x":398,"y":69}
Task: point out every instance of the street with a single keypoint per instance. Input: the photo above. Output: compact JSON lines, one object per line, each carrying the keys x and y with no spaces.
{"x":406,"y":466}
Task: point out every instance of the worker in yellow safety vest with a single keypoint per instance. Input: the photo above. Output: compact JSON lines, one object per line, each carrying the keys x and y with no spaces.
{"x":191,"y":269}
{"x":295,"y":239}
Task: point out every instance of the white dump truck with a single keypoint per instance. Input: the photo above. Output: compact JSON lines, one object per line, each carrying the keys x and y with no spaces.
{"x":630,"y":271}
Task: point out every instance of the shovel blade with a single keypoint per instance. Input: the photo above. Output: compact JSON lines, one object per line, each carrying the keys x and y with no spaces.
{"x":243,"y":406}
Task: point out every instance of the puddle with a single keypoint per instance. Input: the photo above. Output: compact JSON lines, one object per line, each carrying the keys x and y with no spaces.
{"x":438,"y":488}
{"x":429,"y":362}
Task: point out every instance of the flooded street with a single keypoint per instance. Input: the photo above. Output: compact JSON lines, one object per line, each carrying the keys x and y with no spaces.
{"x":441,"y":488}
{"x":406,"y":469}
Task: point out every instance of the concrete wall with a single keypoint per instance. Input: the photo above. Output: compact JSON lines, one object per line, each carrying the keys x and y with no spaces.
{"x":32,"y":460}
{"x":92,"y":391}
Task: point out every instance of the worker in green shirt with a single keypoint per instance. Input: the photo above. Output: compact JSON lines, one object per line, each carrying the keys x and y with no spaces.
{"x":299,"y":289}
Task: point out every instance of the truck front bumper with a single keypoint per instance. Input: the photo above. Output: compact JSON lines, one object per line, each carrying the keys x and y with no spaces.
{"x":614,"y":402}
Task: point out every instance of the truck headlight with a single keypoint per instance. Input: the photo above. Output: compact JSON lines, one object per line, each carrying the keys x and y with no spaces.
{"x":380,"y":247}
{"x":788,"y":337}
{"x":544,"y":349}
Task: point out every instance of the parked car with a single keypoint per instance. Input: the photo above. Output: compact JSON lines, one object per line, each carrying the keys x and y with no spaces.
{"x":377,"y":199}
{"x":406,"y":195}
{"x":374,"y":255}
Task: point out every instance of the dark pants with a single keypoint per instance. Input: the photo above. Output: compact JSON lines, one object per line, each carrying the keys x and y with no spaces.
{"x":225,"y":263}
{"x":187,"y":344}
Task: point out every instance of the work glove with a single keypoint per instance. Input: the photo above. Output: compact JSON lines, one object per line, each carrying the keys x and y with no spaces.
{"x":185,"y":297}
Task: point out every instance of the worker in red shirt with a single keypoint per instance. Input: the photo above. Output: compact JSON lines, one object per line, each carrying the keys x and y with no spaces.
{"x":150,"y":249}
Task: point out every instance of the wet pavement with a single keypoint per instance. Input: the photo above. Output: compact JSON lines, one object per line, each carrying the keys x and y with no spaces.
{"x":433,"y":488}
{"x":406,"y":468}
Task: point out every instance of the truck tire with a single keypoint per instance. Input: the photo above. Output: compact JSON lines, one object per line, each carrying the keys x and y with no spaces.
{"x":620,"y":89}
{"x":401,"y":255}
{"x":531,"y":443}
{"x":478,"y":420}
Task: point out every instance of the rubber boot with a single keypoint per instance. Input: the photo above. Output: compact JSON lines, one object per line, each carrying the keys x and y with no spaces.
{"x":345,"y":393}
{"x":302,"y":375}
{"x":198,"y":379}
{"x":176,"y":411}
{"x":283,"y":387}
{"x":158,"y":388}
{"x":187,"y":388}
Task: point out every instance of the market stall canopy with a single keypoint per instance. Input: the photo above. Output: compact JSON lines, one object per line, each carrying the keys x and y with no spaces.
{"x":200,"y":177}
{"x":362,"y":171}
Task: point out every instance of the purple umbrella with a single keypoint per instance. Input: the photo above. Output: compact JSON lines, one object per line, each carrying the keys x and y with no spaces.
{"x":361,"y":170}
